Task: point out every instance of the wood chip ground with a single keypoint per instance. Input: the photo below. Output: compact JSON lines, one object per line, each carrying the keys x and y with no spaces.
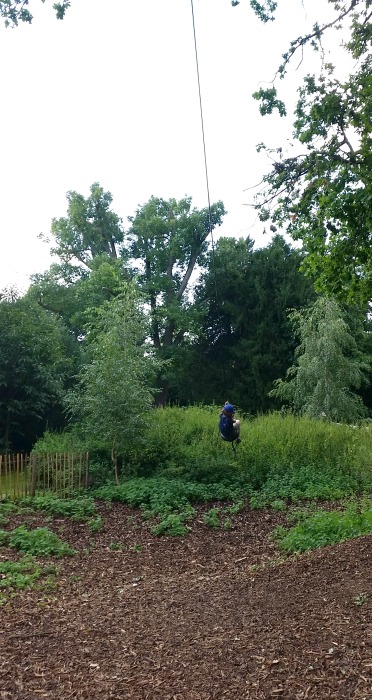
{"x":216,"y":615}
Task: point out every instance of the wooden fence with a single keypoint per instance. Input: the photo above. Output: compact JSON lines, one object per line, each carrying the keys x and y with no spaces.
{"x":61,"y":474}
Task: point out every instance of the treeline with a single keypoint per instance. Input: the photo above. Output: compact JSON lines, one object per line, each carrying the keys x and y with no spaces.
{"x":129,"y":318}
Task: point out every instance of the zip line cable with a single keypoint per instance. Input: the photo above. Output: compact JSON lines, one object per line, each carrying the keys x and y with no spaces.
{"x":206,"y":174}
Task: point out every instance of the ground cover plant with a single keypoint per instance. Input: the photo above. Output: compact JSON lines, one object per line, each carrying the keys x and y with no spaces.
{"x":39,"y":541}
{"x":321,"y":528}
{"x":26,"y":551}
{"x":79,"y":508}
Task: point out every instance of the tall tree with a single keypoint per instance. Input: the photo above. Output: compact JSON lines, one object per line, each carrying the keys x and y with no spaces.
{"x":246,"y":336}
{"x":89,"y":229}
{"x":328,"y":367}
{"x":322,"y":193}
{"x":92,"y":261}
{"x":169,"y":238}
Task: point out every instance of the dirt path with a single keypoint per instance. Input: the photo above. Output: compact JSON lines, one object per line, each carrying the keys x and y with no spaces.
{"x":206,"y":617}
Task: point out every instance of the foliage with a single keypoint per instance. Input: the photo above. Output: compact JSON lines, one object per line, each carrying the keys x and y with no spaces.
{"x":281,"y":459}
{"x":15,"y":11}
{"x":60,"y":441}
{"x":89,"y":229}
{"x":161,"y":496}
{"x":19,"y":574}
{"x":322,"y":192}
{"x":95,"y":524}
{"x":34,"y":364}
{"x":40,"y":542}
{"x":173,"y":525}
{"x":80,"y":508}
{"x":71,"y":293}
{"x":114,"y":390}
{"x":290,"y":457}
{"x":325,"y":528}
{"x":328,"y":366}
{"x":212,"y":518}
{"x":168,"y":239}
{"x":264,"y":10}
{"x":246,"y":341}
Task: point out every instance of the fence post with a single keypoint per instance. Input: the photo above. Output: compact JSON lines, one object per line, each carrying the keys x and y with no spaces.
{"x":33,"y":474}
{"x":86,"y":470}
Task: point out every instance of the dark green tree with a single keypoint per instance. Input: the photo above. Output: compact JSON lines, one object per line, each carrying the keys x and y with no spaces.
{"x":246,"y":335}
{"x":35,"y":364}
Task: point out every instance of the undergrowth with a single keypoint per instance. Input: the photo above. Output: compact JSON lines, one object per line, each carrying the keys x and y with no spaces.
{"x":37,"y":542}
{"x":322,"y":528}
{"x":80,"y":508}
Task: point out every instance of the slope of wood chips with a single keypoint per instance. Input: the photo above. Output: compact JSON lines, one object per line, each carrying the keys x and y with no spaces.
{"x":213,"y":616}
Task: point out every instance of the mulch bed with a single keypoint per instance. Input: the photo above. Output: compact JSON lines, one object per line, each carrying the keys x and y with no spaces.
{"x":217,"y":615}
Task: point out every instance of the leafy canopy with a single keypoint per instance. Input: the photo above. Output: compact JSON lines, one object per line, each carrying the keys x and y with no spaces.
{"x":321,"y":192}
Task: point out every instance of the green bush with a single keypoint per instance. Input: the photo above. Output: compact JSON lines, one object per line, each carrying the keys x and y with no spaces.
{"x":172,"y":524}
{"x":19,"y":574}
{"x":324,"y":528}
{"x":212,"y":518}
{"x":76,"y":508}
{"x":300,"y":455}
{"x":38,"y":542}
{"x":59,"y":442}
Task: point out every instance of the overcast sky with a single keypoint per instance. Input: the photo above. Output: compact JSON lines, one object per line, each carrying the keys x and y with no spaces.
{"x":110,"y":95}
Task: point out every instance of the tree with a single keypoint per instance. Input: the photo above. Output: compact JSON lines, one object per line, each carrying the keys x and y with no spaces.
{"x":329,"y":365}
{"x":246,"y":338}
{"x":90,"y":229}
{"x":92,"y":261}
{"x":72,"y":300}
{"x":168,"y":239}
{"x":114,"y":390}
{"x":322,"y":193}
{"x":15,"y":11}
{"x":35,"y":363}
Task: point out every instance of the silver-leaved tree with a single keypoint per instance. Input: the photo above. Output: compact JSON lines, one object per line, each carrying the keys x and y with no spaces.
{"x":328,"y":366}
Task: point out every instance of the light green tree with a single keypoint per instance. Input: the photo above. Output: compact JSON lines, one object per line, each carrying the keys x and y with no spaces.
{"x":328,"y":367}
{"x":114,"y":391}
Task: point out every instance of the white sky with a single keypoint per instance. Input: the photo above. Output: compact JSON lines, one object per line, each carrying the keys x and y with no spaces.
{"x":110,"y":95}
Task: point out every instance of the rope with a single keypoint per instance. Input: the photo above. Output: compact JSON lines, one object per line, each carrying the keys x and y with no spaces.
{"x":206,"y":175}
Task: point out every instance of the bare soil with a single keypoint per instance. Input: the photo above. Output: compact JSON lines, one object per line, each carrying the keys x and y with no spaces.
{"x":216,"y":615}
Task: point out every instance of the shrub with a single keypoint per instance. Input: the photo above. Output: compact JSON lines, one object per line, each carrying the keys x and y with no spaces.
{"x":38,"y":542}
{"x":76,"y":508}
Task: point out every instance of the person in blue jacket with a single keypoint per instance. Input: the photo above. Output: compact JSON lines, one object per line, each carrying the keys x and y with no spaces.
{"x":228,"y":426}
